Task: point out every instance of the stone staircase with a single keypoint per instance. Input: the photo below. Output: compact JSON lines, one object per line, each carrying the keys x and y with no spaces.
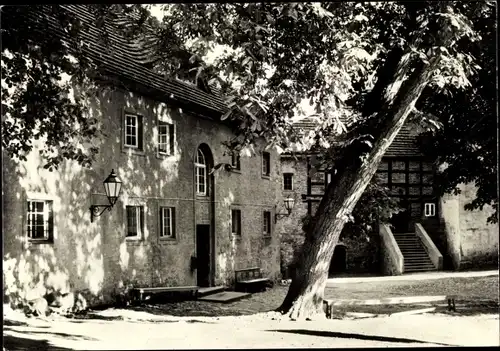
{"x":415,"y":256}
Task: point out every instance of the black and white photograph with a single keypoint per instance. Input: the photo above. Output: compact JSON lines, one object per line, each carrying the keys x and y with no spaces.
{"x":250,"y":175}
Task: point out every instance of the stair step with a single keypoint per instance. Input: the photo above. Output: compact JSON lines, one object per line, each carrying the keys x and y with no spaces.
{"x":419,"y":267}
{"x":417,"y":259}
{"x":210,"y":290}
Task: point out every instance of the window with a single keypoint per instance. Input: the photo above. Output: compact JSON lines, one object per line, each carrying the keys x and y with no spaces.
{"x":201,"y":173}
{"x":266,"y":164}
{"x":166,"y":138}
{"x":135,"y":221}
{"x":288,"y":181}
{"x":236,"y":222}
{"x":267,"y":223}
{"x":133,"y":131}
{"x":167,"y":222}
{"x":328,"y":178}
{"x":235,"y":161}
{"x":40,"y":220}
{"x":429,"y":210}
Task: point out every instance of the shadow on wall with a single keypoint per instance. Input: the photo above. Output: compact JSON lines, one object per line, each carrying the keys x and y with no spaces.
{"x":92,"y":258}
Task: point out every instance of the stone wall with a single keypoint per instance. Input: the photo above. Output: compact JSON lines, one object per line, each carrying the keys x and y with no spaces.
{"x":96,"y":257}
{"x":290,"y":227}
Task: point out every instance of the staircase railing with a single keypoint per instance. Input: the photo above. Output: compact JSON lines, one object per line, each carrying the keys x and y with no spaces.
{"x":393,"y":260}
{"x":432,"y":250}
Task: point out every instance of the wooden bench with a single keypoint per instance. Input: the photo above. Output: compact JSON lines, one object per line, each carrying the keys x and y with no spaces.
{"x":250,"y":280}
{"x":140,"y":293}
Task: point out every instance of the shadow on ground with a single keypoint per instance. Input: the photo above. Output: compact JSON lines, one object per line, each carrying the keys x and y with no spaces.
{"x":332,"y":334}
{"x":17,"y":343}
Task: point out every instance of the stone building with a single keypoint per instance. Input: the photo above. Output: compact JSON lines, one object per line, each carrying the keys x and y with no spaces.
{"x":176,"y":223}
{"x":448,"y":237}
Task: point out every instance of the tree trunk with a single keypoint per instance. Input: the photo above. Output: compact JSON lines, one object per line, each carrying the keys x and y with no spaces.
{"x":305,"y":295}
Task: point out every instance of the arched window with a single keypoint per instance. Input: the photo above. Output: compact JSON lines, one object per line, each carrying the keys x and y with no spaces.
{"x":200,"y":165}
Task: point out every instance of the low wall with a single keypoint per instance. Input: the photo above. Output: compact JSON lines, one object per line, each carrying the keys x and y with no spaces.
{"x":432,"y":251}
{"x":392,"y":258}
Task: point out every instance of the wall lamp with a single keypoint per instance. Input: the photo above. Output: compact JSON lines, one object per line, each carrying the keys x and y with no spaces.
{"x":112,"y":186}
{"x":289,"y":204}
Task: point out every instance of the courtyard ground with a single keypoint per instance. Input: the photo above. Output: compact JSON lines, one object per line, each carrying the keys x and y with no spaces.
{"x":475,"y":294}
{"x":242,"y":324}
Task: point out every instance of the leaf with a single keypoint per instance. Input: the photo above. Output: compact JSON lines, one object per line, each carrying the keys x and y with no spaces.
{"x":225,"y":115}
{"x":361,"y":18}
{"x":193,"y":58}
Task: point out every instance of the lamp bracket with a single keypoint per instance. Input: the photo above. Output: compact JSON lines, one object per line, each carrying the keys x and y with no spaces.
{"x":94,"y":211}
{"x":280,"y":215}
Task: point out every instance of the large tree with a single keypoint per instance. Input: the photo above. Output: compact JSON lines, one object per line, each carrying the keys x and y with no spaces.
{"x":368,"y":61}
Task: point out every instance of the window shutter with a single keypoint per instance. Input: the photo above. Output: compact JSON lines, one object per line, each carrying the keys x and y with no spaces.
{"x":140,"y":126}
{"x":264,"y":222}
{"x":174,"y":232}
{"x":171,"y":139}
{"x":141,"y":220}
{"x":50,"y":220}
{"x":161,"y":222}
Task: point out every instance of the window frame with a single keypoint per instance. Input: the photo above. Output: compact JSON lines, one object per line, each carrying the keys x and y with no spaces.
{"x":266,"y":216}
{"x":170,"y":136}
{"x":201,"y":166}
{"x":137,"y":131}
{"x":328,"y":178}
{"x":140,"y":225}
{"x":48,"y":220}
{"x":285,"y":174}
{"x":266,"y":164}
{"x":238,"y":222}
{"x":172,"y":227}
{"x":236,"y":161}
{"x":429,"y":209}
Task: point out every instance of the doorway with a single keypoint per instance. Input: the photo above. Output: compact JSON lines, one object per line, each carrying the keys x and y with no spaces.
{"x":401,"y":221}
{"x":203,"y":256}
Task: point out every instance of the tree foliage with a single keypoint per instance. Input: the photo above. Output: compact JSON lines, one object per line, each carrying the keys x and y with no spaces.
{"x":38,"y":101}
{"x":467,"y":140}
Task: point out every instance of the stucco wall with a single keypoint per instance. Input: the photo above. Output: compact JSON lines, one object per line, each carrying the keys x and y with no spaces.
{"x":96,"y":257}
{"x":479,"y":240}
{"x":472,"y":242}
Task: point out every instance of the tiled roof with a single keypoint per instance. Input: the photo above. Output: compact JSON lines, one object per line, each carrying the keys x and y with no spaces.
{"x":403,"y":145}
{"x":128,"y":60}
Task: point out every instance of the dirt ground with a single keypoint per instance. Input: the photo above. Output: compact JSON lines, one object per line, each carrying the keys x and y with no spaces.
{"x":243,"y":324}
{"x":134,"y":330}
{"x":474,"y":296}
